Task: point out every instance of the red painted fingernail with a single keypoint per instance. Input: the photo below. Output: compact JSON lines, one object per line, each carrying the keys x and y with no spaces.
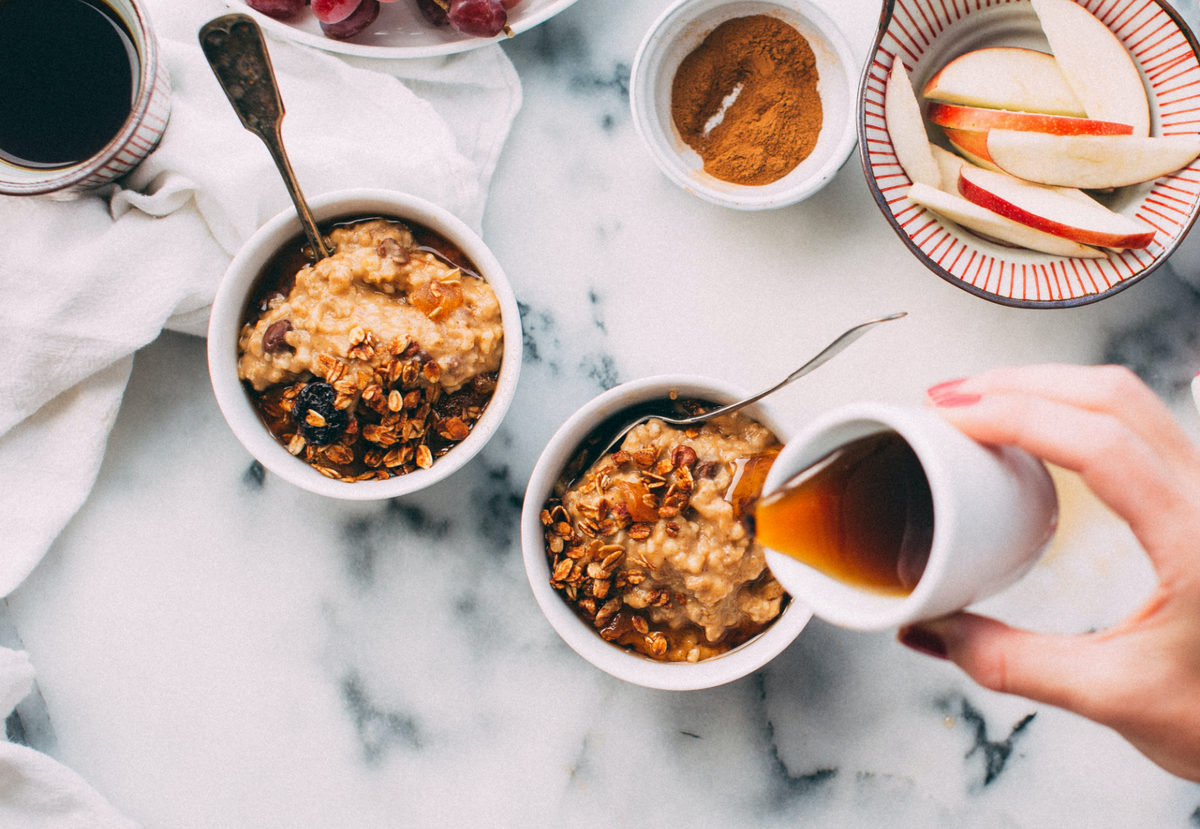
{"x":942,"y":388}
{"x":948,"y":401}
{"x":922,"y":640}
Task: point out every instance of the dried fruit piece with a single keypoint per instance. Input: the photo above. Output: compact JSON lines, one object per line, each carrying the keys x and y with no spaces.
{"x":318,"y":420}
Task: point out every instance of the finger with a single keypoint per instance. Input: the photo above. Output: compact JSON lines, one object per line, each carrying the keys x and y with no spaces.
{"x":1105,"y":389}
{"x":1116,"y":679}
{"x":1063,"y":671}
{"x":1114,"y":461}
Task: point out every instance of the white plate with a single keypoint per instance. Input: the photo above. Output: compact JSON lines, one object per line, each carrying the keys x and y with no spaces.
{"x":400,"y":31}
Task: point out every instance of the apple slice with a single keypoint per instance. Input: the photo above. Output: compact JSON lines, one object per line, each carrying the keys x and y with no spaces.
{"x":1044,"y":209}
{"x":994,"y":226}
{"x":1089,"y":161}
{"x":949,"y":165}
{"x":1005,"y":77}
{"x":973,"y":146}
{"x":975,"y":119}
{"x":1096,"y":64}
{"x":906,"y":127}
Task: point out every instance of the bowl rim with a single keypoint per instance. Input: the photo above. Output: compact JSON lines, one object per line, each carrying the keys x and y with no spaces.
{"x":631,"y":667}
{"x":745,"y":198}
{"x":225,"y":323}
{"x":885,"y":18}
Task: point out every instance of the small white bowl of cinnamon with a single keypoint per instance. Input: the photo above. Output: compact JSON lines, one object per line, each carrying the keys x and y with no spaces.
{"x":748,"y":104}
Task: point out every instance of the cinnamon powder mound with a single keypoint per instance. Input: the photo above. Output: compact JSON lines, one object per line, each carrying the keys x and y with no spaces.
{"x":746,"y":100}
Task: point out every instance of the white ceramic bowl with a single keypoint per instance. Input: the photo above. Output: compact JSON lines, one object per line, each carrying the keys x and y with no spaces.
{"x":225,"y":323}
{"x":682,"y":28}
{"x":401,"y":31}
{"x":632,"y":667}
{"x":928,"y":34}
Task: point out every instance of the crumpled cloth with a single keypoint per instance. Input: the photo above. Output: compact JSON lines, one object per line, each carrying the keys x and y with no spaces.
{"x":37,"y":792}
{"x":85,"y":283}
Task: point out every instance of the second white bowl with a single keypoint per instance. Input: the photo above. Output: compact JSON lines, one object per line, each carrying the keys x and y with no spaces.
{"x":632,"y":667}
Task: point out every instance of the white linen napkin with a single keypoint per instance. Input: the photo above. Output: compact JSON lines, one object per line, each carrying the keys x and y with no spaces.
{"x":87,"y":282}
{"x":37,"y":792}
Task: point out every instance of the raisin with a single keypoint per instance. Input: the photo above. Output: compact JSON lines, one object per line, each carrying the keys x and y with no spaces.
{"x":318,"y":398}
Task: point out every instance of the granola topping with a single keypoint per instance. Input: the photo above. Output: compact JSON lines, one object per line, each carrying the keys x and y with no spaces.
{"x":375,"y":361}
{"x":647,"y":548}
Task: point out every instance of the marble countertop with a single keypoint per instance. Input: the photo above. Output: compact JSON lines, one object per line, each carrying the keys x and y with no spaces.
{"x":217,"y":648}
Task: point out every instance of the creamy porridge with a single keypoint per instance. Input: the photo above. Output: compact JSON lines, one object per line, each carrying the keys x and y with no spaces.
{"x":377,"y":360}
{"x":652,"y":545}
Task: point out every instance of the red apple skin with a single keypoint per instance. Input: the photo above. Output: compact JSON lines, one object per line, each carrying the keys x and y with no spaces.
{"x":977,"y":119}
{"x":972,"y":192}
{"x":973,"y":143}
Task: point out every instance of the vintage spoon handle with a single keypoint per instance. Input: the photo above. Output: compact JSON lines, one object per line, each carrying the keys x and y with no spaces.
{"x":235,"y":50}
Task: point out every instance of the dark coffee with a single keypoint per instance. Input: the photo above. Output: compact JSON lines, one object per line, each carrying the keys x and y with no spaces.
{"x":68,"y":74}
{"x":862,"y":515}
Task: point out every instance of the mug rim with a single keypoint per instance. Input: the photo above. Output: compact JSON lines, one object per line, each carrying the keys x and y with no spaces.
{"x":145,"y":46}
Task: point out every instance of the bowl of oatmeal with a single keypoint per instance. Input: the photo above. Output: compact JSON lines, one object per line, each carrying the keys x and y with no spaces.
{"x":377,"y":371}
{"x":645,"y":562}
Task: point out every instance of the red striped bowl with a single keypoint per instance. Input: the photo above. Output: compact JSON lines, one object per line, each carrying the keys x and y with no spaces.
{"x":928,"y":34}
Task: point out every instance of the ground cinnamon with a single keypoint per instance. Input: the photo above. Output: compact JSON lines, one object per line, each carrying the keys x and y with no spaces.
{"x":746,"y":100}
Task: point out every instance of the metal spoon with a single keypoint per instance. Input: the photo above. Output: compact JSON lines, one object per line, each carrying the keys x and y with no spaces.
{"x":238,"y":56}
{"x":610,"y":433}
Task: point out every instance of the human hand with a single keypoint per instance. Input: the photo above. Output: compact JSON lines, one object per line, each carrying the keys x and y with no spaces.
{"x":1140,"y":677}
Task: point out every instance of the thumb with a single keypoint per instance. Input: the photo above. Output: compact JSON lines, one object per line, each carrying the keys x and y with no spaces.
{"x":1056,"y":670}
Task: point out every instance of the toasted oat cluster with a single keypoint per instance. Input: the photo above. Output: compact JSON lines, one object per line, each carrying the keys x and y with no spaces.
{"x":377,"y":360}
{"x":402,"y":420}
{"x":651,"y":544}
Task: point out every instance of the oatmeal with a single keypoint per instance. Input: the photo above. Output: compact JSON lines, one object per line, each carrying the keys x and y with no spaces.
{"x":651,"y":544}
{"x":374,"y":361}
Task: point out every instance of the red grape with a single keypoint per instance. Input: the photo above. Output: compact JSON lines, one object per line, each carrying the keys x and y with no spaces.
{"x":280,"y":9}
{"x":359,"y":19}
{"x":334,"y":11}
{"x":432,"y":12}
{"x":509,"y":4}
{"x":480,"y":18}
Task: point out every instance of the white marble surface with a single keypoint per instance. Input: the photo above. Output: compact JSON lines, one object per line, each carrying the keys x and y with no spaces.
{"x":217,"y":648}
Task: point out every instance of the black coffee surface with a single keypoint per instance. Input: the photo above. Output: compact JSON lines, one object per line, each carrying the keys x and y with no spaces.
{"x":67,"y":74}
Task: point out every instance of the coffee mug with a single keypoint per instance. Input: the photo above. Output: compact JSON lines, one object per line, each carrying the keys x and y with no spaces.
{"x":994,"y":511}
{"x":44,"y":58}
